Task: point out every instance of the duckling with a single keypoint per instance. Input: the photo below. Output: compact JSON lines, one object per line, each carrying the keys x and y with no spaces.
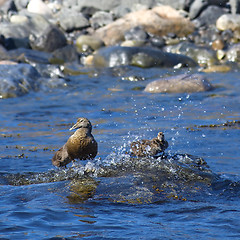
{"x":81,"y":145}
{"x":152,"y":147}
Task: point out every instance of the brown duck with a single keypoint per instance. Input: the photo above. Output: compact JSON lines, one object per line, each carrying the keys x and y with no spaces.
{"x":81,"y":145}
{"x":152,"y":147}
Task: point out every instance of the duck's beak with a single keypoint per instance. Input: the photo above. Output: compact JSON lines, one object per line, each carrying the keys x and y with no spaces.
{"x":73,"y":127}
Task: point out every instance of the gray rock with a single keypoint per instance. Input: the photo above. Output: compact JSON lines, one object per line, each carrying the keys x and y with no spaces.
{"x":21,"y":4}
{"x":100,"y":19}
{"x":48,"y":40}
{"x":179,"y":84}
{"x":210,"y":15}
{"x":199,"y":5}
{"x":29,"y":56}
{"x":71,"y":20}
{"x":63,"y":55}
{"x":34,"y":24}
{"x":139,"y":56}
{"x":17,"y":80}
{"x":7,"y":5}
{"x":137,"y":33}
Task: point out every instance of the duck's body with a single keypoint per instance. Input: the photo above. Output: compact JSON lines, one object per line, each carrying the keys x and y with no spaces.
{"x":152,"y":147}
{"x":81,"y":145}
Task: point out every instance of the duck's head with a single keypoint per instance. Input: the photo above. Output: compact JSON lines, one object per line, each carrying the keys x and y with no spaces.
{"x":82,"y":123}
{"x":160,"y":136}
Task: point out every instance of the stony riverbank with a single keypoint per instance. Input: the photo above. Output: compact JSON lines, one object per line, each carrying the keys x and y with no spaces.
{"x":50,"y":39}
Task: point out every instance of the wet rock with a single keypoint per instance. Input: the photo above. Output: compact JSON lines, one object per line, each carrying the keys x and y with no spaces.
{"x":179,"y":84}
{"x":228,"y":21}
{"x":70,"y":19}
{"x":87,"y":42}
{"x":17,"y":80}
{"x":204,"y":56}
{"x":100,"y":19}
{"x":63,"y":55}
{"x":48,"y":40}
{"x":217,"y":68}
{"x":158,"y":21}
{"x":29,"y":56}
{"x":139,"y":56}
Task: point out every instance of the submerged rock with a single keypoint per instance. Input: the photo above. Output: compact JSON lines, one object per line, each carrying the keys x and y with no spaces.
{"x":140,"y":57}
{"x":180,"y":83}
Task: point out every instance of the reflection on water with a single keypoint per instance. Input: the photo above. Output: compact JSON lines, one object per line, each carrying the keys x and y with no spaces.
{"x":191,"y":191}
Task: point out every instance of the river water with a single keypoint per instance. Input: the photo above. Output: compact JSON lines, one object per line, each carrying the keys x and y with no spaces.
{"x":191,"y":192}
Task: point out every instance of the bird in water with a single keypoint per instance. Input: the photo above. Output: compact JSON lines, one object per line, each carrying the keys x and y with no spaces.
{"x":152,"y":147}
{"x":81,"y":145}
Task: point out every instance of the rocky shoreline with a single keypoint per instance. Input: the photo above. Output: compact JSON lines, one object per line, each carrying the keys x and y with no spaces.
{"x":99,"y":34}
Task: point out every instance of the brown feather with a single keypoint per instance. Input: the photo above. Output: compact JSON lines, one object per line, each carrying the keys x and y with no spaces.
{"x":81,"y":145}
{"x":152,"y":147}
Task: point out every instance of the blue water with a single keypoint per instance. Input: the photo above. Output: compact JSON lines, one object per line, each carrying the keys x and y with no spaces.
{"x":122,"y":199}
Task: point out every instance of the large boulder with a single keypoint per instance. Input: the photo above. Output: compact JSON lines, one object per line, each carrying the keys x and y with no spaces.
{"x":179,"y":84}
{"x":158,"y":21}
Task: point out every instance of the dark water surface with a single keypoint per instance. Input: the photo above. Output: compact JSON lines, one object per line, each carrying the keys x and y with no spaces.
{"x":177,"y":196}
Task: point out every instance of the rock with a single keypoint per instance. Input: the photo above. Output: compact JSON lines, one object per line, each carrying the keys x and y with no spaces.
{"x":218,"y":44}
{"x":179,"y":84}
{"x":29,"y":56}
{"x":132,"y":43}
{"x":217,"y":68}
{"x":21,"y":4}
{"x":158,"y":21}
{"x":139,"y":56}
{"x":204,"y":56}
{"x":196,"y":7}
{"x":233,"y":53}
{"x":39,"y":7}
{"x":228,"y":21}
{"x":7,"y":5}
{"x":63,"y":55}
{"x":71,"y":20}
{"x":17,"y":80}
{"x":210,"y":15}
{"x":19,"y":19}
{"x":137,"y":33}
{"x":87,"y":42}
{"x":100,"y":19}
{"x":34,"y":24}
{"x":48,"y":40}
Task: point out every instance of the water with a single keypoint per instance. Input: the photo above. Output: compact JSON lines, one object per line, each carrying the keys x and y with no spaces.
{"x":115,"y":196}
